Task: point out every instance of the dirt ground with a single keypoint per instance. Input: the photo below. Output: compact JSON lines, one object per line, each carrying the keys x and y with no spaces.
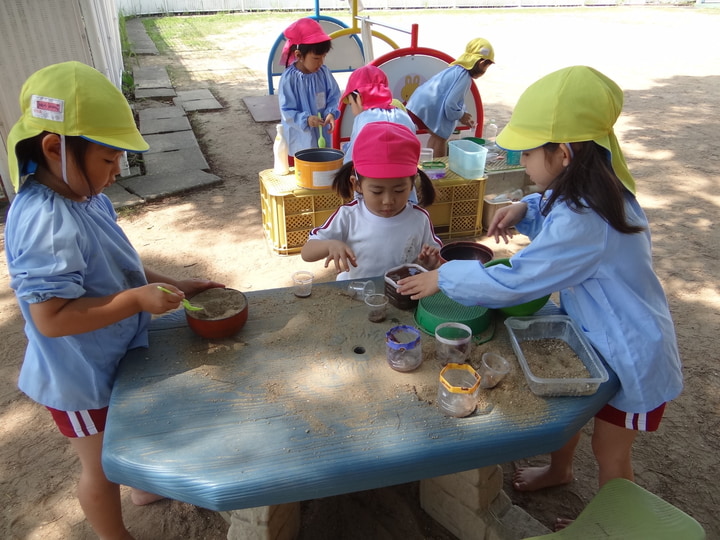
{"x":667,"y":62}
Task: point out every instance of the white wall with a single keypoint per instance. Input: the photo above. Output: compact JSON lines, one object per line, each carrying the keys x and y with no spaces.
{"x":37,"y":33}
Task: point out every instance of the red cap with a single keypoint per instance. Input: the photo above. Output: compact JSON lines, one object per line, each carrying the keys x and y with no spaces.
{"x":372,"y":85}
{"x":386,"y":150}
{"x":302,"y":32}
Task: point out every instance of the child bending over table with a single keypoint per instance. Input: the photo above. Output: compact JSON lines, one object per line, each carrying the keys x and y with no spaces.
{"x":81,"y":286}
{"x":439,"y":103}
{"x":370,"y":100}
{"x":380,"y":228}
{"x":306,"y":87}
{"x":590,"y":241}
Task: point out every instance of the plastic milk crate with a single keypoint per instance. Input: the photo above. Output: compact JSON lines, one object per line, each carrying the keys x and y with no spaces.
{"x":289,"y":212}
{"x":458,"y":206}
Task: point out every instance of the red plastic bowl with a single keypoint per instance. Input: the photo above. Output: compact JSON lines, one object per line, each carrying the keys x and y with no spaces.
{"x":225,"y":313}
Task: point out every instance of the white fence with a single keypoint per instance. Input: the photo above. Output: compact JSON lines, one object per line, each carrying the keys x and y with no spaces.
{"x":153,"y":7}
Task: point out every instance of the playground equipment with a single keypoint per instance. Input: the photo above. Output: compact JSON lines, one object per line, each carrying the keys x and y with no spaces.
{"x":406,"y":69}
{"x":348,"y":52}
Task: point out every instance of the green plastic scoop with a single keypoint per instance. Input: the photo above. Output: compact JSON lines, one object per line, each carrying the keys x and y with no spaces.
{"x":186,"y":304}
{"x":321,"y":139}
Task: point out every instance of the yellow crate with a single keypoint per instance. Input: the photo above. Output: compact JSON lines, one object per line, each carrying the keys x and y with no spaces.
{"x":458,"y":206}
{"x":289,"y":212}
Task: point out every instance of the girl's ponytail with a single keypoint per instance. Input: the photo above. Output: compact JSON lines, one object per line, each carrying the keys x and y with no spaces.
{"x":341,"y":182}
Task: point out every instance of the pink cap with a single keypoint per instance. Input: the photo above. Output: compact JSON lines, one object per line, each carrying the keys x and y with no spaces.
{"x":386,"y":150}
{"x":302,"y":32}
{"x":372,"y":85}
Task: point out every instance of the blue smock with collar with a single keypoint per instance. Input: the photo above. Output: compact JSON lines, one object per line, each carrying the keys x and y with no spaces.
{"x":440,"y":101}
{"x":606,"y":284}
{"x":58,"y":248}
{"x":301,"y":95}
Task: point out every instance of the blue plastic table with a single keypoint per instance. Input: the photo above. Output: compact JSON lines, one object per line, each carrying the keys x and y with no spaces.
{"x":301,"y":404}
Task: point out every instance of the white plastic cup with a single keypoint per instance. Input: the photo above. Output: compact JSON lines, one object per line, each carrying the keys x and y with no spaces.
{"x":360,"y":289}
{"x":377,"y":307}
{"x":453,"y":342}
{"x":302,"y":283}
{"x":493,"y":369}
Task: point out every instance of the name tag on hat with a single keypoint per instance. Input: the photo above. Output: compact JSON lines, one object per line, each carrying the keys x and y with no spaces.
{"x":48,"y":108}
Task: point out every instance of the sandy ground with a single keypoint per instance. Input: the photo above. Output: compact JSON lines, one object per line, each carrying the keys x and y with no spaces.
{"x":666,"y":60}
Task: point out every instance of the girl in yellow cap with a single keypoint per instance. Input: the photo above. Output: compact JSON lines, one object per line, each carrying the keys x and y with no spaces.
{"x":81,"y":286}
{"x":439,"y":103}
{"x":590,"y":241}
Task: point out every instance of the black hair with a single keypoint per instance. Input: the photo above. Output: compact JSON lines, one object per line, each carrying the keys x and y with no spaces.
{"x":480,"y":67}
{"x":306,"y":48}
{"x":590,"y":182}
{"x":31,"y":150}
{"x":344,"y":188}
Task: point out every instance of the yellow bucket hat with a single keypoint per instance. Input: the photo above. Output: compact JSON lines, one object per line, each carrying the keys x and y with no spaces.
{"x":73,"y":99}
{"x":573,"y":104}
{"x":477,"y":49}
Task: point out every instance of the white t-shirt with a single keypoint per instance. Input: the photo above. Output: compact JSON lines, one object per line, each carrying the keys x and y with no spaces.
{"x":379,"y":243}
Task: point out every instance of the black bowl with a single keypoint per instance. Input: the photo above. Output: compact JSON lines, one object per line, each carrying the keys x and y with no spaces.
{"x":466,"y":251}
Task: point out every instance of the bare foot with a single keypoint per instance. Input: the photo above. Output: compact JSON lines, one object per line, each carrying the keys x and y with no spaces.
{"x":534,"y":478}
{"x":561,"y":523}
{"x":141,"y":498}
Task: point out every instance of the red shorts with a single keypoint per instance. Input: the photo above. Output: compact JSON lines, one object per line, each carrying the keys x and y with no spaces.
{"x":648,"y":421}
{"x":80,"y":423}
{"x":418,"y":123}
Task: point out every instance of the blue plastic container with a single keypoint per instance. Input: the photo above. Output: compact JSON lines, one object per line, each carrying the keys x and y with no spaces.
{"x":467,"y":159}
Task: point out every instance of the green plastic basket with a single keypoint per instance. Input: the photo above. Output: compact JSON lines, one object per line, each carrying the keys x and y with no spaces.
{"x":438,"y":308}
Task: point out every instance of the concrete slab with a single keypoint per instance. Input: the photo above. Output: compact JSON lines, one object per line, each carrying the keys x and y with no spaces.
{"x":164,"y":125}
{"x":197,"y":100}
{"x":151,"y":77}
{"x":159,"y":113}
{"x":138,"y":37}
{"x":171,"y":141}
{"x":122,"y":198}
{"x":150,"y":93}
{"x":175,"y":161}
{"x":158,"y":186}
{"x":263,"y":108}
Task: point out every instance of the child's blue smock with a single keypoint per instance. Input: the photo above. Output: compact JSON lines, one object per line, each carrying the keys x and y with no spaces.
{"x":56,"y":247}
{"x":302,"y":95}
{"x":394,"y":115}
{"x":440,"y":101}
{"x":607,"y":286}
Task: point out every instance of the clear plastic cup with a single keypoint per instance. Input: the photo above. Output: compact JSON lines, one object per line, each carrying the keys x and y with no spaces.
{"x":453,"y":342}
{"x":426,"y":154}
{"x":377,"y":307}
{"x":302,"y":283}
{"x":493,"y":369}
{"x":404,"y":348}
{"x":360,"y":289}
{"x":458,"y":389}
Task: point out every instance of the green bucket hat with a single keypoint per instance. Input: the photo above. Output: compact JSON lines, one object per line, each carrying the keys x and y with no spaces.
{"x":573,"y":104}
{"x":73,"y":99}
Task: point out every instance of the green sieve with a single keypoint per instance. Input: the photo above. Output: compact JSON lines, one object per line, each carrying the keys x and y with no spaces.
{"x":438,"y":308}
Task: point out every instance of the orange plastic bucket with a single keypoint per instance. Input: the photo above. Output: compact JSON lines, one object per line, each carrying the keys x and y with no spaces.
{"x":315,"y":168}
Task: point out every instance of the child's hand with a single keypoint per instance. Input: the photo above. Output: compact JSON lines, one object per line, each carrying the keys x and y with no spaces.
{"x":467,"y":120}
{"x":329,"y":120}
{"x":315,"y":121}
{"x":430,"y":257}
{"x":420,"y":285}
{"x":341,"y":255}
{"x":505,"y":219}
{"x":156,"y":301}
{"x":193,"y":286}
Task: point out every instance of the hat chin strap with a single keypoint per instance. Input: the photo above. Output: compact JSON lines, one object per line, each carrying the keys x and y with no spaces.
{"x":63,"y":159}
